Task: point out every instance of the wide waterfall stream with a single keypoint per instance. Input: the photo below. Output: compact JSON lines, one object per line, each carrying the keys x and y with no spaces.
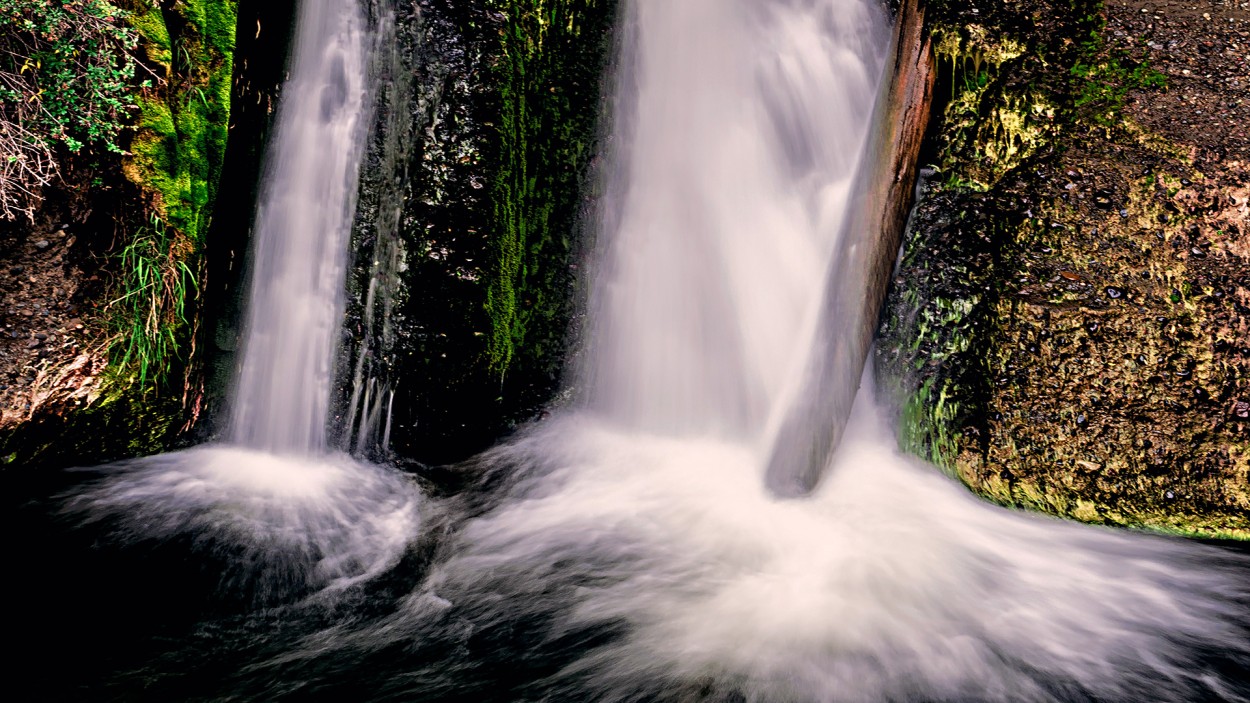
{"x":625,"y":548}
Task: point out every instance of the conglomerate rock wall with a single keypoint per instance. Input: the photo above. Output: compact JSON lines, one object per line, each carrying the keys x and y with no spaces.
{"x":1069,"y":330}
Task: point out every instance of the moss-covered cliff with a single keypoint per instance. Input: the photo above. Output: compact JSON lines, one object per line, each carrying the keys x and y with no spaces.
{"x":102,"y":320}
{"x":1067,"y":331}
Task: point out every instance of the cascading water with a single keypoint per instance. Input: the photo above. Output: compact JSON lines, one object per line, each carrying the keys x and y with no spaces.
{"x":297,"y":514}
{"x":745,"y":129}
{"x":626,"y":549}
{"x":644,"y":514}
{"x":299,"y":259}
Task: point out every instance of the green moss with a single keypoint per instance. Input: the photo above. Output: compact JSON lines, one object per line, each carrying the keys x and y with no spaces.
{"x":148,"y":21}
{"x":175,"y":158}
{"x":544,"y":130}
{"x":991,"y":124}
{"x":179,"y":144}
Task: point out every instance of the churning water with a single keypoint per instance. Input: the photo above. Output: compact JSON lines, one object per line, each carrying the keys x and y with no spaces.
{"x":292,"y":513}
{"x":626,"y":549}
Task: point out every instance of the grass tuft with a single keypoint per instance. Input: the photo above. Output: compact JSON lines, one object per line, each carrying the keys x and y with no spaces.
{"x":148,"y":316}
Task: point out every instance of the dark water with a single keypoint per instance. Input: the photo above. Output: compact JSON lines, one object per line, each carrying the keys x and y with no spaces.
{"x":107,"y":612}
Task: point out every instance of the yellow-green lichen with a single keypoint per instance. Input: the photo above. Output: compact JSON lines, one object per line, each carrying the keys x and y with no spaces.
{"x":990,"y":128}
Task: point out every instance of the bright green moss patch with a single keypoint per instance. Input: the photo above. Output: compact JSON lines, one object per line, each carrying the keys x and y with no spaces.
{"x":546,"y":76}
{"x":148,"y":21}
{"x":180,"y":166}
{"x":175,"y":158}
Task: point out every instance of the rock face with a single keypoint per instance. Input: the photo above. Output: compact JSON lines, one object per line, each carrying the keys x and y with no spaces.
{"x":122,"y":294}
{"x":469,"y":222}
{"x":105,"y":276}
{"x":1068,"y":329}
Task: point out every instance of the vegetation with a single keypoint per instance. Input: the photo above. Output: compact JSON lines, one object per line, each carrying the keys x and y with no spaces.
{"x":180,"y":139}
{"x":545,"y":74}
{"x":156,"y":283}
{"x":66,"y":74}
{"x":175,"y":157}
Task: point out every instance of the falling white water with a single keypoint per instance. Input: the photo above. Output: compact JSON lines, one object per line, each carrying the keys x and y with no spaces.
{"x":303,"y":224}
{"x":734,"y":161}
{"x":292,"y":513}
{"x":645,"y":516}
{"x":632,"y":541}
{"x":286,"y":525}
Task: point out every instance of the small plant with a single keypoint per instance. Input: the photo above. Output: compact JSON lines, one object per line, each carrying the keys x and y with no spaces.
{"x":150,"y":310}
{"x":67,"y":74}
{"x":1102,"y":84}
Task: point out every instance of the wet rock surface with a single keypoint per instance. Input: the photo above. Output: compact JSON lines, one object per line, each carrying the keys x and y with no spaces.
{"x":1072,"y":332}
{"x":468,"y":224}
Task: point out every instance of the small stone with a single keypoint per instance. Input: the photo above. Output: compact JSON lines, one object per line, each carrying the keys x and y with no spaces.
{"x":1169,"y":495}
{"x":1242,"y":409}
{"x":1114,"y":293}
{"x":42,"y":244}
{"x":33,"y":343}
{"x":1124,"y":213}
{"x":41,"y":336}
{"x":1081,"y":420}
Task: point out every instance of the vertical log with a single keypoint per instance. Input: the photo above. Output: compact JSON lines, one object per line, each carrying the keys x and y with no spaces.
{"x":860,"y":269}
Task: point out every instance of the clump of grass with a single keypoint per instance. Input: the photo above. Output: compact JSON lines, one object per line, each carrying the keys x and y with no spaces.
{"x":149,"y":313}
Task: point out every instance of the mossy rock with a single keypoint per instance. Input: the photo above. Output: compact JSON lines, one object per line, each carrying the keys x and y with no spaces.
{"x":1062,"y":333}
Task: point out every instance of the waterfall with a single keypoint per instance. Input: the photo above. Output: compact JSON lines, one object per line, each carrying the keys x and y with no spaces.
{"x":734,"y":156}
{"x":293,"y":513}
{"x":625,"y":548}
{"x":295,"y":307}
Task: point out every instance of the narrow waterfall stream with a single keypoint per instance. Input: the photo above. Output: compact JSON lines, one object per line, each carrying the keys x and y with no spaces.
{"x":625,"y":548}
{"x":299,"y":259}
{"x":300,"y":513}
